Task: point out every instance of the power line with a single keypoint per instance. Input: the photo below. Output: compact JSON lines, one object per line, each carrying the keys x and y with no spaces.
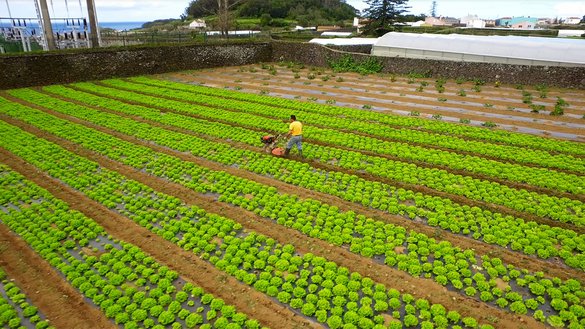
{"x":8,"y":6}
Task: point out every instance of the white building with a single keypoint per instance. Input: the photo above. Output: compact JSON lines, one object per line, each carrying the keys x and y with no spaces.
{"x":416,"y":24}
{"x":466,"y":19}
{"x":198,"y":24}
{"x":573,"y":20}
{"x":476,"y":23}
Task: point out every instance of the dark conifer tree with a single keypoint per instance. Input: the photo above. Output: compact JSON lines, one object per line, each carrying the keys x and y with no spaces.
{"x":383,"y":14}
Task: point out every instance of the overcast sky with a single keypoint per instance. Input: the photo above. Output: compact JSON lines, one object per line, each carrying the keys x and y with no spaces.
{"x":148,"y":10}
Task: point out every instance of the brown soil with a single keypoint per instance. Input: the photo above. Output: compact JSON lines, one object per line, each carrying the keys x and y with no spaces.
{"x":387,"y":319}
{"x":219,"y":78}
{"x":191,"y":268}
{"x":63,"y":306}
{"x":92,"y":252}
{"x":506,"y":94}
{"x":502,"y":95}
{"x":476,"y":154}
{"x":508,"y":256}
{"x":385,"y":80}
{"x":502,"y":284}
{"x":179,"y":259}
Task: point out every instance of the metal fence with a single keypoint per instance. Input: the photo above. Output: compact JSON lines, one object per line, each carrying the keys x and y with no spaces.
{"x":127,"y":38}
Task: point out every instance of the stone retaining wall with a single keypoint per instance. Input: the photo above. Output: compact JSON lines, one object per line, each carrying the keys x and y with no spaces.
{"x":56,"y":68}
{"x":317,"y":55}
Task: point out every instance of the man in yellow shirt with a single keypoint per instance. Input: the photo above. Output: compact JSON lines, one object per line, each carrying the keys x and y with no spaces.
{"x":295,"y":134}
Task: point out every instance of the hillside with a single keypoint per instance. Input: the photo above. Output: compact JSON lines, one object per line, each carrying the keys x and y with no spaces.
{"x":306,"y":12}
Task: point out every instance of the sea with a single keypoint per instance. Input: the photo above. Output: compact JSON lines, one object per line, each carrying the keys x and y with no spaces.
{"x":60,"y":26}
{"x":121,"y":26}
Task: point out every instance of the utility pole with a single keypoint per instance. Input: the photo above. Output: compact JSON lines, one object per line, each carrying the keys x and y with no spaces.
{"x":47,"y":27}
{"x":94,"y":36}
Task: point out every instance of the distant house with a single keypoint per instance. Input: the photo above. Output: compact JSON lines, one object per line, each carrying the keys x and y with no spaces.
{"x":465,"y":19}
{"x":441,"y":21}
{"x":544,"y":22}
{"x":572,"y":20}
{"x":198,"y":24}
{"x":416,"y":24}
{"x":476,"y":23}
{"x":490,"y":22}
{"x":517,"y":22}
{"x":472,"y":21}
{"x":301,"y":28}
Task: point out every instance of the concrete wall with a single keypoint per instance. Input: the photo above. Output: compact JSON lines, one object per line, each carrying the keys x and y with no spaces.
{"x":568,"y":77}
{"x":56,"y":68}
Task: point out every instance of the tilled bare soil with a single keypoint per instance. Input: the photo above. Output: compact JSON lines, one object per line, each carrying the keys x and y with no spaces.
{"x":502,"y":105}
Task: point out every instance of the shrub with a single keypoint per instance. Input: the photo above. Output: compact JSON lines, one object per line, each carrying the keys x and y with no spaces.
{"x":348,"y":64}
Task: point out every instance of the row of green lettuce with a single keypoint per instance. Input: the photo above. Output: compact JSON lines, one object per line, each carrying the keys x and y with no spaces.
{"x":540,"y":177}
{"x":16,"y":311}
{"x":313,"y":286}
{"x":129,"y":286}
{"x":528,"y":237}
{"x":390,"y":120}
{"x":461,"y":269}
{"x":562,"y":209}
{"x":374,"y":129}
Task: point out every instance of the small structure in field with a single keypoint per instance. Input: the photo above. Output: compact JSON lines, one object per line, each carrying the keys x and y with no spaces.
{"x":198,"y":24}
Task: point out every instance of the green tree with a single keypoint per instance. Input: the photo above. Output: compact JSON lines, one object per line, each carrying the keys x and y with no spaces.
{"x":383,"y":14}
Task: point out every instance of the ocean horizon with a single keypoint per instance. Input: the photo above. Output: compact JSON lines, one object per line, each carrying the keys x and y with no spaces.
{"x":118,"y":26}
{"x":121,"y":26}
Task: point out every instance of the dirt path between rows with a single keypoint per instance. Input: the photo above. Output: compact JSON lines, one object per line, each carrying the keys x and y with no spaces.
{"x":63,"y":306}
{"x":431,"y":108}
{"x":408,"y":103}
{"x":379,"y":85}
{"x":176,"y":258}
{"x":502,"y":100}
{"x":533,"y":264}
{"x":387,"y":81}
{"x":358,"y":133}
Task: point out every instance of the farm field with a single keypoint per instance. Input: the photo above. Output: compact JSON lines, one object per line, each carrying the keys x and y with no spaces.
{"x":512,"y":107}
{"x":148,"y":202}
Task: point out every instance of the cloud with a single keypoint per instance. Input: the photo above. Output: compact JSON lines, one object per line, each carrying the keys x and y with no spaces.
{"x":113,"y":4}
{"x":572,"y":8}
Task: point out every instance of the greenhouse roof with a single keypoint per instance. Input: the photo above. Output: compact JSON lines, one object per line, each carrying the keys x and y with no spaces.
{"x":345,"y":41}
{"x":536,"y":49}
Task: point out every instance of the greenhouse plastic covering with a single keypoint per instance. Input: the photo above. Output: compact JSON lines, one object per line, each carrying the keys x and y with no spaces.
{"x":536,"y":49}
{"x":345,"y":41}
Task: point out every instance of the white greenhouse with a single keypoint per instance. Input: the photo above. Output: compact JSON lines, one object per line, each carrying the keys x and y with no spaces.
{"x":487,"y":49}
